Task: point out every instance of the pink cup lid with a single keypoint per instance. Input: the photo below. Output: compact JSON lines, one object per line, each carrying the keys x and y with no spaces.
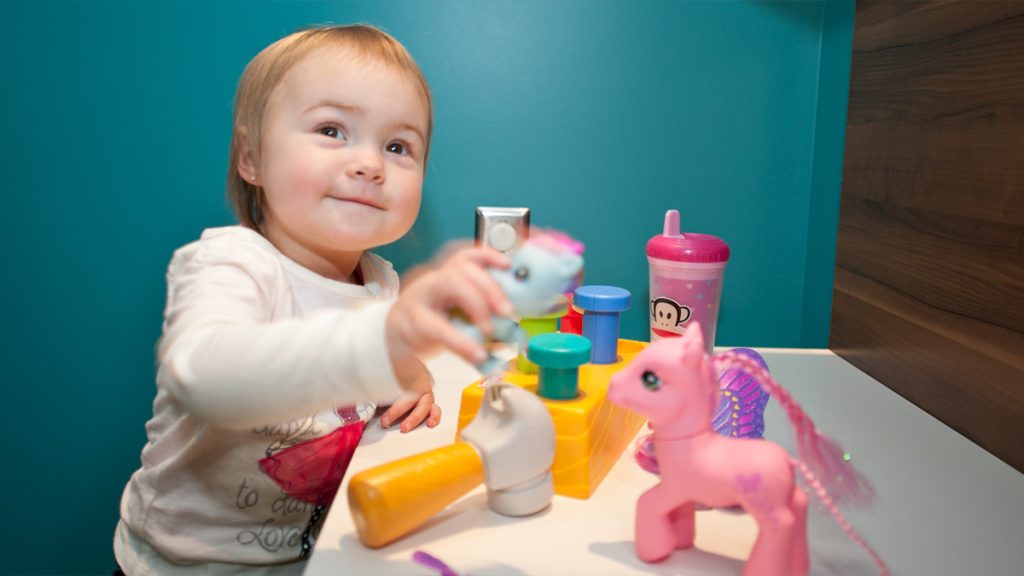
{"x":690,"y":247}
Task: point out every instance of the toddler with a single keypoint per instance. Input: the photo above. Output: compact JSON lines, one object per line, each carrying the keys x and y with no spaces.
{"x":281,"y":334}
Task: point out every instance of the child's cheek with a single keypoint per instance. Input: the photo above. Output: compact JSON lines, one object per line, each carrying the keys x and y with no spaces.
{"x":413,"y":191}
{"x":310,"y":179}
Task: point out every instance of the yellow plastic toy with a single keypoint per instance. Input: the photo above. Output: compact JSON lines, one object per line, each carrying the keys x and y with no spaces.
{"x":590,"y":432}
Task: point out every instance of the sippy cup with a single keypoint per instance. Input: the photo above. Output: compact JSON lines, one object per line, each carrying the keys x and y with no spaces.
{"x":686,"y":281}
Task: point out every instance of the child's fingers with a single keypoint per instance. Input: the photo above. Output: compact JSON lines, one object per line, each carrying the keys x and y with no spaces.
{"x":451,"y":248}
{"x":400,"y":407}
{"x":495,"y":259}
{"x":425,"y":330}
{"x":419,"y":413}
{"x":441,"y":331}
{"x":468,"y":348}
{"x":435,"y":416}
{"x":488,"y":287}
{"x":483,"y":256}
{"x":463,"y":295}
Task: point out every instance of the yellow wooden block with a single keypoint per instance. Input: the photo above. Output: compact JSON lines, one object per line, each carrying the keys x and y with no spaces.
{"x":590,"y":432}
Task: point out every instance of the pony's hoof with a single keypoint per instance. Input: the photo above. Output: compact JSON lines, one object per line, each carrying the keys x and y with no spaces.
{"x":652,"y":554}
{"x":653,"y":559}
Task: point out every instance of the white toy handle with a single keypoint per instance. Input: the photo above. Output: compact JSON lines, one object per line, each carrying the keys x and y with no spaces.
{"x":515,"y":436}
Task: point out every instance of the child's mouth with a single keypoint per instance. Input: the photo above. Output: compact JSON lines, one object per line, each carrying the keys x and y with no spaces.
{"x":360,"y":201}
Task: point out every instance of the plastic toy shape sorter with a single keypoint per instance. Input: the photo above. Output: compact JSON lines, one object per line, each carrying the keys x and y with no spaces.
{"x":590,"y":433}
{"x":672,"y":382}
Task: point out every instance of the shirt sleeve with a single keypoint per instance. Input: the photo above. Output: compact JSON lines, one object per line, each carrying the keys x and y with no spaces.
{"x":225,"y":361}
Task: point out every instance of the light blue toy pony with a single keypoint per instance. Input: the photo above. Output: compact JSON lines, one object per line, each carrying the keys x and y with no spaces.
{"x":543,"y":270}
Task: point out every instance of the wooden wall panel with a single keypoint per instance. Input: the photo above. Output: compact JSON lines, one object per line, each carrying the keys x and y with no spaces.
{"x":929,"y":285}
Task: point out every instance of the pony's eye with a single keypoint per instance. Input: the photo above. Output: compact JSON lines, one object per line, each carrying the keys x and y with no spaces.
{"x":521,"y":273}
{"x":651,"y":381}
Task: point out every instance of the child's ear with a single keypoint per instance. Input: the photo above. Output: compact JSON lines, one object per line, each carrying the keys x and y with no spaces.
{"x":246,"y":159}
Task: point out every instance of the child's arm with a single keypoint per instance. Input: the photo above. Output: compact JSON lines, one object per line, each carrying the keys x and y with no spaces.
{"x":228,"y":360}
{"x":226,"y":357}
{"x":416,"y":410}
{"x":409,"y":410}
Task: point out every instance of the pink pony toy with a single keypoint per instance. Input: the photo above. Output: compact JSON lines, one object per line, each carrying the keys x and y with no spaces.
{"x":672,"y":382}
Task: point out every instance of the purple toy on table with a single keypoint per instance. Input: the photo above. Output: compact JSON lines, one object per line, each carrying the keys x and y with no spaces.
{"x":742,"y":402}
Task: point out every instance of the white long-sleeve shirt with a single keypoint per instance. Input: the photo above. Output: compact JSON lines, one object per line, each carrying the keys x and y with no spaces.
{"x":257,"y":353}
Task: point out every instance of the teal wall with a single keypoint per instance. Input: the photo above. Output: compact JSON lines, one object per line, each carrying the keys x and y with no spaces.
{"x":597,"y":115}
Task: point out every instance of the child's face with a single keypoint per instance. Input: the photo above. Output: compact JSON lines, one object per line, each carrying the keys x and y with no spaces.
{"x":342,"y":158}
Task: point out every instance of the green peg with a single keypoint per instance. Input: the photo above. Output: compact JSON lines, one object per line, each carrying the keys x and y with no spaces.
{"x":558,"y":357}
{"x":534,"y":327}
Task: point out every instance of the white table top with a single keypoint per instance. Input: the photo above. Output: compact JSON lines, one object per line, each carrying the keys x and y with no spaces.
{"x":945,"y":506}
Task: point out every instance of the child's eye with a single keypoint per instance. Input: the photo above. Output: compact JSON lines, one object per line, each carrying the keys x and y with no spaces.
{"x":332,"y":131}
{"x":399,"y":148}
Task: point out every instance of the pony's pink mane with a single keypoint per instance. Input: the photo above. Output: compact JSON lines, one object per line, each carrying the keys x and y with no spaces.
{"x":555,"y":240}
{"x":833,"y":509}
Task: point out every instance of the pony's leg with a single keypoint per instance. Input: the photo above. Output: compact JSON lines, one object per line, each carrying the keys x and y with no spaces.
{"x":655,"y":539}
{"x":684,"y":523}
{"x":799,"y":561}
{"x":772,"y":549}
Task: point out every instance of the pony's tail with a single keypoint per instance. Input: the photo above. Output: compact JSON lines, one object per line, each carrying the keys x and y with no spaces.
{"x":826,"y":499}
{"x":817,"y":451}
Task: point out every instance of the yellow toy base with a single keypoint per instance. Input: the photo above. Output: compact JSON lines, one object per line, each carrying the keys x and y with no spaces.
{"x":590,"y":432}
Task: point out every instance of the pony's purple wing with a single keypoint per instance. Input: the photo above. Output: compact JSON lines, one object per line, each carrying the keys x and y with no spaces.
{"x":741,"y":402}
{"x":740,"y":411}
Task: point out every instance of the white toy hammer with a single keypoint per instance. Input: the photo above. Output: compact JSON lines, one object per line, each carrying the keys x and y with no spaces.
{"x":509,"y":446}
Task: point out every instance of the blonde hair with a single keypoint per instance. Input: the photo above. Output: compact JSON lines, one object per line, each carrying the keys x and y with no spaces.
{"x":265,"y":71}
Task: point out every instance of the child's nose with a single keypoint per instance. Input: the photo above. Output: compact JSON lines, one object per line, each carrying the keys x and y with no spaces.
{"x":367,"y":165}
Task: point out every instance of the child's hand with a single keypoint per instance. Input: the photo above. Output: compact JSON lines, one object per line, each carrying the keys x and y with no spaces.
{"x":439,"y":259}
{"x":415,"y":410}
{"x":420,"y":320}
